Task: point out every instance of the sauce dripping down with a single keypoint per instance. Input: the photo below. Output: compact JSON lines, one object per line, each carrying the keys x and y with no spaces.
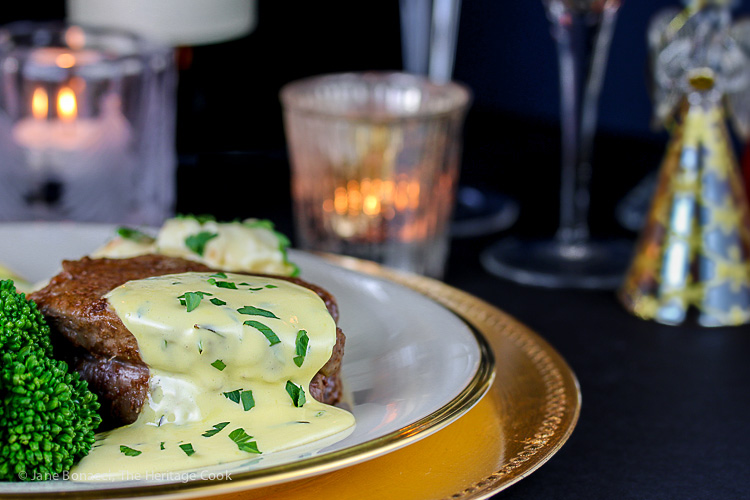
{"x":231,"y":358}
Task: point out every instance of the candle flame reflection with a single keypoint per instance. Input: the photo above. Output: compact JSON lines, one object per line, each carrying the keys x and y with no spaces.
{"x":65,"y":60}
{"x":39,"y":104}
{"x":373,"y":197}
{"x":67,"y":108}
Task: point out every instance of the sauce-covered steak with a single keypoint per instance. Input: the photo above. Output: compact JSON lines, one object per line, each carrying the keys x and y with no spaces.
{"x":96,"y":343}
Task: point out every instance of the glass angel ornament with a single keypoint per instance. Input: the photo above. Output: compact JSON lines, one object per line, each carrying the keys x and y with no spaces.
{"x":693,"y":255}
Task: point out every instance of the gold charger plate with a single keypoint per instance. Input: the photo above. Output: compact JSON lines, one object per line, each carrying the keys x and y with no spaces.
{"x":528,"y":414}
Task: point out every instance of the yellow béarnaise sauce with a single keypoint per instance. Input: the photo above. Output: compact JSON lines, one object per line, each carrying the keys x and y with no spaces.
{"x":231,"y":358}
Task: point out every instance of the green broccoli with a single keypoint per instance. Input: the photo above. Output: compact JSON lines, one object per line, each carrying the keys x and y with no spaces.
{"x":47,"y":413}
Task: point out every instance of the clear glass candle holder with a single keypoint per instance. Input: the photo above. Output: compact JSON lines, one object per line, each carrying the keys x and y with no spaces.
{"x":87,"y":125}
{"x":375,"y":159}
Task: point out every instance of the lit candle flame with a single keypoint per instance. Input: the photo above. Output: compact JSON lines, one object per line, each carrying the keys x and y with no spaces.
{"x":67,"y":108}
{"x":65,"y":60}
{"x":39,"y":104}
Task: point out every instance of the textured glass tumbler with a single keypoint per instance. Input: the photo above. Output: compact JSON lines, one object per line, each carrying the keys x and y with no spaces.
{"x":87,"y":125}
{"x":375,"y":160}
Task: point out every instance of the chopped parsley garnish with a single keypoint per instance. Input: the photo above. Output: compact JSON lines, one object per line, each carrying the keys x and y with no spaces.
{"x":219,"y":275}
{"x":191,"y":300}
{"x":187,"y":448}
{"x":217,"y":428}
{"x":301,"y":347}
{"x":251,"y":288}
{"x":218,"y":302}
{"x":128,"y":233}
{"x":197,"y":242}
{"x":219,"y":365}
{"x":128,"y":451}
{"x":200,"y":219}
{"x":200,"y":346}
{"x":233,"y":396}
{"x":243,"y":397}
{"x":161,"y":445}
{"x":273,"y":339}
{"x":242,"y":439}
{"x":256,"y":311}
{"x":259,"y":223}
{"x":296,"y":393}
{"x":248,"y":402}
{"x":271,"y":286}
{"x":222,"y":284}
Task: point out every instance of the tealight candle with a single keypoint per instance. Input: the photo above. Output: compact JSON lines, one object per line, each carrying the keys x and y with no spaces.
{"x":86,"y":117}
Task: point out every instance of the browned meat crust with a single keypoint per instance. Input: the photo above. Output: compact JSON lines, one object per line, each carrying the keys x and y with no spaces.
{"x":74,"y":306}
{"x":122,"y":387}
{"x":95,"y":341}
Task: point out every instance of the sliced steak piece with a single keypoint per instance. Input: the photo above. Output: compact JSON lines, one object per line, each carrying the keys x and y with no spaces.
{"x":90,"y":335}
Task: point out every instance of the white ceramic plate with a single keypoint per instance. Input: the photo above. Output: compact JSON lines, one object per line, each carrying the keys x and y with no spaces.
{"x":411,"y":366}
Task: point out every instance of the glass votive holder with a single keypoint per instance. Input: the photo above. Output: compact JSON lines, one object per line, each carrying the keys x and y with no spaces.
{"x":375,"y":160}
{"x":87,"y":125}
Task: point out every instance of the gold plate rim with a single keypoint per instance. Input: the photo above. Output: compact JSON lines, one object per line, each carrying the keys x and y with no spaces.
{"x":562,"y":398}
{"x":313,"y":466}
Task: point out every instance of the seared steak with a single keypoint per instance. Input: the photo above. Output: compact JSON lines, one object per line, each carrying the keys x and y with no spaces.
{"x":96,"y":343}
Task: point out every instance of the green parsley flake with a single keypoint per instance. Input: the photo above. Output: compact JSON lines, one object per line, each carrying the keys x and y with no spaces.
{"x":222,"y":284}
{"x":218,"y":302}
{"x":217,"y":428}
{"x":273,"y":339}
{"x":296,"y":393}
{"x":200,"y":219}
{"x":161,"y":445}
{"x":243,"y":397}
{"x":255,"y":311}
{"x":259,"y":223}
{"x":197,"y":242}
{"x":271,"y":286}
{"x":135,"y":235}
{"x":219,"y":365}
{"x":248,"y":402}
{"x":233,"y":396}
{"x":301,"y":347}
{"x":241,"y":438}
{"x":219,"y":275}
{"x":192,"y":299}
{"x":128,"y":451}
{"x":187,"y":448}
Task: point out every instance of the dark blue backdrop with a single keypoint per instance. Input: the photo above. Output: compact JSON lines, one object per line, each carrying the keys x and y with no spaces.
{"x":505,"y":52}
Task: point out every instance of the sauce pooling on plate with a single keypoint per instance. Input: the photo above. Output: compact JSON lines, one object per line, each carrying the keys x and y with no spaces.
{"x":231,"y":358}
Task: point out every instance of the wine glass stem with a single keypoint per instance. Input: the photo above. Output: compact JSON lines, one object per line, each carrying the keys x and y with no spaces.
{"x":583,"y":39}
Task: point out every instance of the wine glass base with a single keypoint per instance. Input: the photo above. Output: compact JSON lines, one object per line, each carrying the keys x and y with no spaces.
{"x":481,"y":211}
{"x":552,"y":264}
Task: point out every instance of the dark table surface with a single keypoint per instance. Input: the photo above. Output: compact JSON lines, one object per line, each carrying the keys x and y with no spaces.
{"x":665,"y":409}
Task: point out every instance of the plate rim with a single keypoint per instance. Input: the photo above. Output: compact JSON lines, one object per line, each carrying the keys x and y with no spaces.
{"x":466,"y":399}
{"x":562,"y":398}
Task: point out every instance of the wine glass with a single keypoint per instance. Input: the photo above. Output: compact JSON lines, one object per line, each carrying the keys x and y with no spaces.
{"x":429,"y":32}
{"x":582,"y":30}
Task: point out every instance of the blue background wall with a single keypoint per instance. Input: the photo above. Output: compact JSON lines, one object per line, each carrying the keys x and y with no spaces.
{"x":507,"y":54}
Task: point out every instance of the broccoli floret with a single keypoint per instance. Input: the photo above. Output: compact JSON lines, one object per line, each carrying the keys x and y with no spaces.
{"x":47,"y":413}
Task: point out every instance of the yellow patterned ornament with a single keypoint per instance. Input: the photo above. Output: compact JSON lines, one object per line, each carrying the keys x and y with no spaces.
{"x":694,"y":250}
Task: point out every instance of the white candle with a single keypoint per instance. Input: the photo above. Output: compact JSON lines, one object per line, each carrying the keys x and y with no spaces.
{"x":69,"y":145}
